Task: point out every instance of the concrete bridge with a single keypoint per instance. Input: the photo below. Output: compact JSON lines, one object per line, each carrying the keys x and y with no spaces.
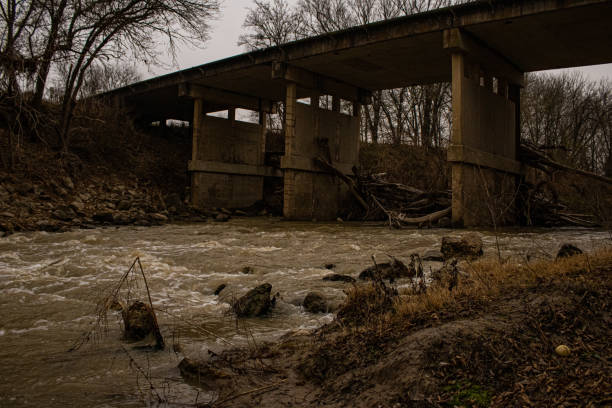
{"x":483,"y":48}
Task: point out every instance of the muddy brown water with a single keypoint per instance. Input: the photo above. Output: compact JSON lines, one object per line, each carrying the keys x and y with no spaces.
{"x":49,"y":284}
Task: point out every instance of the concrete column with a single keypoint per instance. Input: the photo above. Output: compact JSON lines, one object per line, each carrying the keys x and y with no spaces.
{"x":290,"y":102}
{"x":483,"y":147}
{"x":264,"y":130}
{"x":290,"y":175}
{"x":196,"y":129}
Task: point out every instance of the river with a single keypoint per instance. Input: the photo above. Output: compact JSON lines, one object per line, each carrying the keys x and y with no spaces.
{"x":49,"y":285}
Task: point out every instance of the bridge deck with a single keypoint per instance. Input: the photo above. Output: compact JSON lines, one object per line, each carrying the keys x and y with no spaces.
{"x":530,"y":35}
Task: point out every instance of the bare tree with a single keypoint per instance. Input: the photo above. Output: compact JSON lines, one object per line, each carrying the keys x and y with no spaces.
{"x":571,"y":117}
{"x":76,"y":34}
{"x":271,"y":24}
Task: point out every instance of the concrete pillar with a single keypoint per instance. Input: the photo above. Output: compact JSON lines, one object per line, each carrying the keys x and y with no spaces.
{"x":484,"y":144}
{"x":264,"y":130}
{"x":290,"y":175}
{"x":196,"y":129}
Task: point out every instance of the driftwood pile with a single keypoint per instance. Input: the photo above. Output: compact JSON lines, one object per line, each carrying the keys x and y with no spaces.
{"x":400,"y":204}
{"x":542,"y":205}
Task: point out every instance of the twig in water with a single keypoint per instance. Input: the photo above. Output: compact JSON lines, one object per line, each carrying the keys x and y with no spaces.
{"x":242,"y":394}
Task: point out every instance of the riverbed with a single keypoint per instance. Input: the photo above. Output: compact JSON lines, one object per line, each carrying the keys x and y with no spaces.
{"x":50,"y":283}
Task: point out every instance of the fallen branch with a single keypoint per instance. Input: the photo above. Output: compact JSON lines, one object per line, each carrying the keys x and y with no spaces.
{"x":242,"y":394}
{"x":531,"y":156}
{"x":430,"y":218}
{"x":351,"y":184}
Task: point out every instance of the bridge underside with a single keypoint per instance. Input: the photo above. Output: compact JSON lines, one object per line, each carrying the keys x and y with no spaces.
{"x":483,"y":48}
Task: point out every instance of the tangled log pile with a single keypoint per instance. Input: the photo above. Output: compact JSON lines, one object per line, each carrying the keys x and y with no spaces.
{"x":402,"y":204}
{"x":542,"y":204}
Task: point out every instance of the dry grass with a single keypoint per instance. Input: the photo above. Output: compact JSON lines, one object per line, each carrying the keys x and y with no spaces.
{"x":488,"y":279}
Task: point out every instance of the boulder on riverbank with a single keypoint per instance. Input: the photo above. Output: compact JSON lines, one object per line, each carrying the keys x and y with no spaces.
{"x":256,"y":302}
{"x":468,"y":246}
{"x":568,"y":250}
{"x":388,"y":270}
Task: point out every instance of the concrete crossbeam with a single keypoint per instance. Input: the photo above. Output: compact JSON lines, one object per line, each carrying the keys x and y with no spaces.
{"x":233,"y":168}
{"x":325,"y":85}
{"x":221,"y":97}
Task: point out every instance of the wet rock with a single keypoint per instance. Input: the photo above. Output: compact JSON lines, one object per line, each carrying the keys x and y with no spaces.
{"x":222,"y":217}
{"x":315,"y":303}
{"x":139,"y":323}
{"x":24,"y":188}
{"x":77,"y":206}
{"x":104,"y":216}
{"x":433,"y":256}
{"x":388,"y":270}
{"x":336,"y":277}
{"x":256,"y":302}
{"x":568,"y":250}
{"x":220,"y":288}
{"x":48,"y":226}
{"x":124,"y":205}
{"x":202,"y":373}
{"x":468,"y":246}
{"x":142,"y":222}
{"x":444,"y":222}
{"x":68,"y":183}
{"x":247,"y":270}
{"x":157,"y":217}
{"x":7,"y":227}
{"x":64,"y":214}
{"x":122,"y":218}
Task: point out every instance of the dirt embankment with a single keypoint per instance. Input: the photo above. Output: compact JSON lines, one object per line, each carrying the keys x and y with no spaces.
{"x":102,"y":181}
{"x":490,"y":341}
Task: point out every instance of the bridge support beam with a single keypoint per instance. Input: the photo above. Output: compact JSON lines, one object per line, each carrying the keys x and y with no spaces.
{"x":485,"y":133}
{"x":314,"y":132}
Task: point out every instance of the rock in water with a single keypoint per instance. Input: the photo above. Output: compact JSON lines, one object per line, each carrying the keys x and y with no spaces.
{"x":140,"y":322}
{"x":388,"y":270}
{"x":468,"y":246}
{"x":255,"y":303}
{"x":220,"y":288}
{"x":568,"y":250}
{"x":314,"y":303}
{"x":336,"y":277}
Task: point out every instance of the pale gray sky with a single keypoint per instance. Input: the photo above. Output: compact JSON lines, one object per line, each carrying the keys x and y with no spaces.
{"x":227,"y":29}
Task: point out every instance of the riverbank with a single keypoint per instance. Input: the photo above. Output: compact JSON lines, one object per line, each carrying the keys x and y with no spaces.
{"x":141,"y":182}
{"x":490,"y":341}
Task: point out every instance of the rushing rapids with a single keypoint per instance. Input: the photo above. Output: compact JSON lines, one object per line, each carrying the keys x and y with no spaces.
{"x":49,"y":284}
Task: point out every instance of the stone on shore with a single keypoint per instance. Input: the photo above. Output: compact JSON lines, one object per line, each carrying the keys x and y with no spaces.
{"x":568,"y":250}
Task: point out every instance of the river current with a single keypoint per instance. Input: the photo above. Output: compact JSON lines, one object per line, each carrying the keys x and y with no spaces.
{"x":50,"y":283}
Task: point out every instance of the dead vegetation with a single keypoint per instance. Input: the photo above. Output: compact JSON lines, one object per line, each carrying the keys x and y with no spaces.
{"x":490,"y":341}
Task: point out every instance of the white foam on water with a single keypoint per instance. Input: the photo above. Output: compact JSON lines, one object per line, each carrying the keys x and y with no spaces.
{"x":209,"y":245}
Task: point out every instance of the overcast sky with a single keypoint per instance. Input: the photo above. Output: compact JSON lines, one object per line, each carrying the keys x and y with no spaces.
{"x":227,"y":29}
